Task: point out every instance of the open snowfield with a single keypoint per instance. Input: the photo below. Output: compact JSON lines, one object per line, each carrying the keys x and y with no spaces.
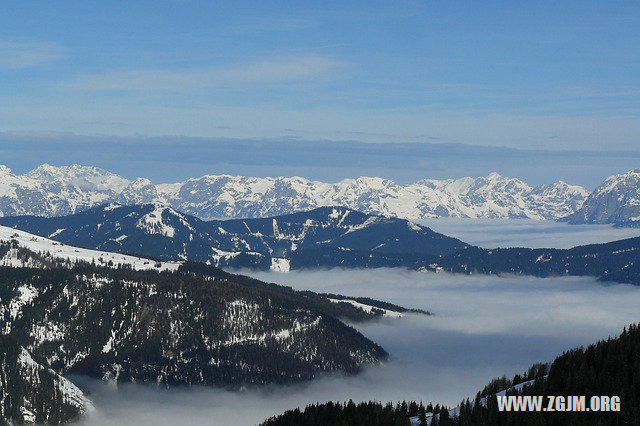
{"x":58,"y":250}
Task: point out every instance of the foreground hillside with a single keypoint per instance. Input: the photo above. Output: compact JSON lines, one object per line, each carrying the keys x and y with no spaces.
{"x":57,"y":191}
{"x":195,"y":325}
{"x":324,"y":237}
{"x":609,"y":368}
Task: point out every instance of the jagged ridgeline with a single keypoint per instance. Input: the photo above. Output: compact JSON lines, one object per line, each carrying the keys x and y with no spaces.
{"x":197,"y":325}
{"x":57,"y":191}
{"x":610,"y":367}
{"x":614,"y":201}
{"x":324,"y":237}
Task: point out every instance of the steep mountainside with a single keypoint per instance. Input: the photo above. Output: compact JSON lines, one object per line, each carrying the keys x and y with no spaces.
{"x":618,"y":261}
{"x":177,"y":329}
{"x":55,"y":191}
{"x":52,"y":191}
{"x":616,"y":201}
{"x":31,"y":393}
{"x":324,"y":237}
{"x":116,"y":317}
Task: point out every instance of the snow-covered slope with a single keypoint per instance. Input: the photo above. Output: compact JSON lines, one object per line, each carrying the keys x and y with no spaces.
{"x":61,"y":251}
{"x":52,"y":191}
{"x":55,"y":191}
{"x":616,"y":201}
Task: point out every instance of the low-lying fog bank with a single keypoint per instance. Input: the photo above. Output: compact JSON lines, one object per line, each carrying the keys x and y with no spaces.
{"x":492,"y":233}
{"x":483,"y":327}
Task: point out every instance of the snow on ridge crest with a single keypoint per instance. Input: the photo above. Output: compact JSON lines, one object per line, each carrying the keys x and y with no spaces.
{"x":55,"y":191}
{"x":70,"y":393}
{"x":38,"y":244}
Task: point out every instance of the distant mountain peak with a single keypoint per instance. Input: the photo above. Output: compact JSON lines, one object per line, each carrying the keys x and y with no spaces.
{"x":616,"y":200}
{"x":140,"y":183}
{"x":74,"y":169}
{"x":155,"y":221}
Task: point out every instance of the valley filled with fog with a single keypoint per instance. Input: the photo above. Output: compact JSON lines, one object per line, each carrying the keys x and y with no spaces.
{"x":492,"y":233}
{"x":482,"y":327}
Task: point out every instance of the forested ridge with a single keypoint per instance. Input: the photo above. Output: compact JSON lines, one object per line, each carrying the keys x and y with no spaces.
{"x":616,"y":261}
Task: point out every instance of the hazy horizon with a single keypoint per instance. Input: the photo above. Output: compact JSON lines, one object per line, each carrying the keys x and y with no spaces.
{"x":173,"y":159}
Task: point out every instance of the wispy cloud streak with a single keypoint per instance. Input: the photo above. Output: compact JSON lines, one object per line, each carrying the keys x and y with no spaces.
{"x":283,"y":70}
{"x":20,"y":55}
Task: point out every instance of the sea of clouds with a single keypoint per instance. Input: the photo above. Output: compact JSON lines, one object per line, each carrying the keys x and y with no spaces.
{"x":482,"y":327}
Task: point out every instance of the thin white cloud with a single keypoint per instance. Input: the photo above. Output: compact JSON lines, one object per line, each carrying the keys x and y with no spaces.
{"x":283,"y":70}
{"x":19,"y":55}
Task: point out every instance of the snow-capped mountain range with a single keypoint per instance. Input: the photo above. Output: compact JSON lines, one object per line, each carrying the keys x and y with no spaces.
{"x":56,"y":191}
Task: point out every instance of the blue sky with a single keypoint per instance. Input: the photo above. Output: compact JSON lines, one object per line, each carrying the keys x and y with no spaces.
{"x":528,"y":75}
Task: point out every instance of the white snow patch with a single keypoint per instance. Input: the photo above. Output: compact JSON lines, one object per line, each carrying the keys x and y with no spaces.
{"x":26,"y":294}
{"x":414,"y":226}
{"x":369,"y":308}
{"x":280,"y":265}
{"x":57,"y":232}
{"x":58,"y":250}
